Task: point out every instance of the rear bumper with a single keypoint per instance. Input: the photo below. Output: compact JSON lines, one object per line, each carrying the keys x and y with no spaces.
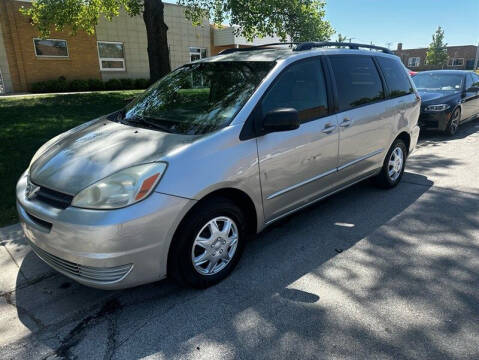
{"x":414,"y":138}
{"x":107,"y":249}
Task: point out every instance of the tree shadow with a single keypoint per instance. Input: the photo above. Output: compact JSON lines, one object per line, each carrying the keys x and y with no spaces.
{"x":324,"y":281}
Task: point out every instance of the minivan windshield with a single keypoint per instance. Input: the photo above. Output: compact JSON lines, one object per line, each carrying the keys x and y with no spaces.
{"x":198,"y":98}
{"x":438,"y":81}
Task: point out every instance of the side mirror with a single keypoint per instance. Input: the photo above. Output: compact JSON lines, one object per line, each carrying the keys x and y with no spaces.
{"x":283,"y":119}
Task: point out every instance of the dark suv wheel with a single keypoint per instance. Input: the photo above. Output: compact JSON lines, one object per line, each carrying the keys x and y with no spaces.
{"x":454,"y":122}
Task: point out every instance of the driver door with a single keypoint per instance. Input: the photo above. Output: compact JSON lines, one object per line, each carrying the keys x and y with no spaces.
{"x":298,"y":166}
{"x":470,"y":100}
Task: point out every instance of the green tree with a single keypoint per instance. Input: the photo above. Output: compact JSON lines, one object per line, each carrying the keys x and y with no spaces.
{"x":296,"y":20}
{"x":437,"y":52}
{"x":299,"y":20}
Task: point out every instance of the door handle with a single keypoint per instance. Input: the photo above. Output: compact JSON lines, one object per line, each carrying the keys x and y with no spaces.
{"x":328,"y":128}
{"x":346,"y":122}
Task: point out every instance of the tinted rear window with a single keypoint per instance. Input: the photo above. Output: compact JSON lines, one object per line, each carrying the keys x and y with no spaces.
{"x":395,"y":76}
{"x":357,"y":80}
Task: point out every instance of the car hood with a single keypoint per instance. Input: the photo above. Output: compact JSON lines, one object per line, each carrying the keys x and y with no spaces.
{"x":434,"y":97}
{"x":98,"y":149}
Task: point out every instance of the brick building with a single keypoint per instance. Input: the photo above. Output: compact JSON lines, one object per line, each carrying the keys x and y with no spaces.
{"x":117,"y":50}
{"x":459,"y":57}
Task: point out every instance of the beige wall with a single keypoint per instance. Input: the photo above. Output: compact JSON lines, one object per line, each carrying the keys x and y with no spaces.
{"x":182,"y":35}
{"x":4,"y":69}
{"x":131,"y":31}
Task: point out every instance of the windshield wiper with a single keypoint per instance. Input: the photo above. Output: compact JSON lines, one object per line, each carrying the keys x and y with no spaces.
{"x":141,"y":120}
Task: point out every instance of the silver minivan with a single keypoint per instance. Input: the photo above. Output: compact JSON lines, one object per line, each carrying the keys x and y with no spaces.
{"x":175,"y":183}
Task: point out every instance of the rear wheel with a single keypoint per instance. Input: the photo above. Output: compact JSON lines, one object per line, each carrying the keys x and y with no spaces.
{"x":454,"y":122}
{"x":209,"y":244}
{"x":393,"y":166}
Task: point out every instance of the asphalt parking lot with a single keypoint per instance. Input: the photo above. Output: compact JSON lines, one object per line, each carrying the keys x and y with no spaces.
{"x":365,"y":274}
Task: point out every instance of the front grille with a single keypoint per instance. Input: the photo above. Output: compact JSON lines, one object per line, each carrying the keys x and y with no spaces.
{"x":87,"y":273}
{"x":53,"y":198}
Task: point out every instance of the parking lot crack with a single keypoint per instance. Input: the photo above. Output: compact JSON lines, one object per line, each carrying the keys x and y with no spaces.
{"x":79,"y":332}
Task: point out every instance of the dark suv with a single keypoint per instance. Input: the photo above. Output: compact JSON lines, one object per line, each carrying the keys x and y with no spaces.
{"x":449,"y":98}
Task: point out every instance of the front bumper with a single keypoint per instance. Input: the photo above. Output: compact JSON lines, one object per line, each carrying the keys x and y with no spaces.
{"x":434,"y":120}
{"x":107,"y":249}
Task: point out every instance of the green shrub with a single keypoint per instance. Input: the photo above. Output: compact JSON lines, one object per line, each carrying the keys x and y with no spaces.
{"x":96,"y":84}
{"x":127,"y":84}
{"x":142,"y":83}
{"x":113,"y":84}
{"x":39,"y":87}
{"x":58,"y":85}
{"x":79,"y":85}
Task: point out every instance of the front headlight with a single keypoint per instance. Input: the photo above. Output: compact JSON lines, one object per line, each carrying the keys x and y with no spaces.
{"x":440,"y":107}
{"x":121,"y":189}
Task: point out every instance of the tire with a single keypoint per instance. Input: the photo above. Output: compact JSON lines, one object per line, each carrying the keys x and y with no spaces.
{"x":393,"y":166}
{"x":214,"y":245}
{"x":454,"y":122}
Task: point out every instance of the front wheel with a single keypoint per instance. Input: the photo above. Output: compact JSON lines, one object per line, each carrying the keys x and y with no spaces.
{"x":393,"y":166}
{"x":208,"y":244}
{"x":453,"y":122}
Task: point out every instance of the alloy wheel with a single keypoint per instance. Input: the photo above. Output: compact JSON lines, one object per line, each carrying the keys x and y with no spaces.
{"x":454,"y":122}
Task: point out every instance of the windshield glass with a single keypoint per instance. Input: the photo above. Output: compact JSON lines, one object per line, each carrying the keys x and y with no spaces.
{"x":438,"y":81}
{"x":198,"y":98}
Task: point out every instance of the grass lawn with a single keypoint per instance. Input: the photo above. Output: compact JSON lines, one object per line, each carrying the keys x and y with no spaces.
{"x":28,"y":122}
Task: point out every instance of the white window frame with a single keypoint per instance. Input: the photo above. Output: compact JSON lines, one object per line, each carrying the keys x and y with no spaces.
{"x":410,"y":63}
{"x":2,"y":84}
{"x":454,"y":62}
{"x":195,"y":53}
{"x":51,"y":56}
{"x":100,"y":59}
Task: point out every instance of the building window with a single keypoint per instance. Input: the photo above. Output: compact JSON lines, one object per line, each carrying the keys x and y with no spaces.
{"x":456,"y":62}
{"x":197,"y":53}
{"x":50,"y":48}
{"x":111,"y":56}
{"x":414,"y":61}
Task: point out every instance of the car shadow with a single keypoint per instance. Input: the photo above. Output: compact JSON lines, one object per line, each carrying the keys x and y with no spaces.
{"x":63,"y":315}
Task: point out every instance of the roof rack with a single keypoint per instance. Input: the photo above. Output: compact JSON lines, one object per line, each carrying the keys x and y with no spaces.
{"x":355,"y":46}
{"x":255,"y":47}
{"x":302,"y":46}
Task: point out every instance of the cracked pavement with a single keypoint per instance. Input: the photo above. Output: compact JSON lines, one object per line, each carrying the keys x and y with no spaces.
{"x":366,"y":273}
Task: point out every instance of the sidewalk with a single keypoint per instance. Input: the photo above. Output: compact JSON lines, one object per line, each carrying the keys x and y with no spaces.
{"x":13,"y":250}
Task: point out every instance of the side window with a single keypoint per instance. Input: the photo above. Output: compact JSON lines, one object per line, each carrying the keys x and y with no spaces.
{"x":300,"y":86}
{"x":395,"y":76}
{"x":357,"y":80}
{"x":475,"y":80}
{"x":468,"y":81}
